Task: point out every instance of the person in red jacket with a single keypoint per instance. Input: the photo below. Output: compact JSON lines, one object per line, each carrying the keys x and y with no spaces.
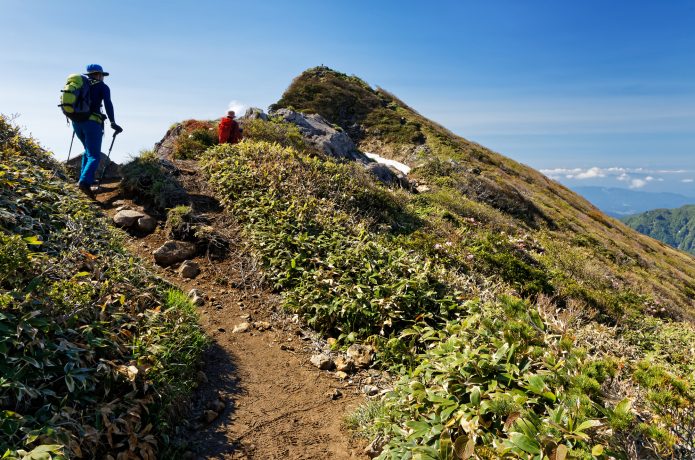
{"x":228,"y":130}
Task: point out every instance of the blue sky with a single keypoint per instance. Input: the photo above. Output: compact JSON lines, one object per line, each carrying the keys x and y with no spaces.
{"x":589,"y":92}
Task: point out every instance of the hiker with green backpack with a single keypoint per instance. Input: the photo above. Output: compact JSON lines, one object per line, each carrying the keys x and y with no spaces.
{"x":81,"y":103}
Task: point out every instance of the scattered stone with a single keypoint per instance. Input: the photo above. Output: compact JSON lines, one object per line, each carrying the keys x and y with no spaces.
{"x":173,"y":252}
{"x":360,"y":354}
{"x":422,"y":189}
{"x":221,"y":329}
{"x":341,"y":375}
{"x":322,"y":361}
{"x":147,"y":224}
{"x":331,"y":341}
{"x":374,"y":448}
{"x":127,"y":217}
{"x":196,"y":297}
{"x":262,"y":325}
{"x":286,"y":347}
{"x":189,"y":269}
{"x":335,"y":394}
{"x":209,"y":416}
{"x":241,"y":328}
{"x":370,"y":390}
{"x":245,"y":317}
{"x":217,"y":405}
{"x":388,"y":175}
{"x":118,"y":203}
{"x":344,"y":364}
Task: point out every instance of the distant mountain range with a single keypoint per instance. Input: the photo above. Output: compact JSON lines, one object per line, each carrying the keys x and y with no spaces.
{"x":620,"y":202}
{"x":675,"y":227}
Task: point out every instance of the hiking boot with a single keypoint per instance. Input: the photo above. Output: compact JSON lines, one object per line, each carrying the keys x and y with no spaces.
{"x":87,"y":190}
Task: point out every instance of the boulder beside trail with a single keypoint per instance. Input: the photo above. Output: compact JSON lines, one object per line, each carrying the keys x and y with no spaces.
{"x":127,"y":217}
{"x":172,"y":252}
{"x":360,"y":354}
{"x":319,"y":132}
{"x":108,"y":168}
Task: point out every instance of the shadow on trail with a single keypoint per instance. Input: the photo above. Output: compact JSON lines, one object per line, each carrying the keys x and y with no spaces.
{"x":210,"y":439}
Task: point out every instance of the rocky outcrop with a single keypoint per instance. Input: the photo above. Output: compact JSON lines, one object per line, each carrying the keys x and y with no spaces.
{"x":388,"y":175}
{"x":108,"y":168}
{"x":254,"y":113}
{"x":320,"y":133}
{"x":165,"y":147}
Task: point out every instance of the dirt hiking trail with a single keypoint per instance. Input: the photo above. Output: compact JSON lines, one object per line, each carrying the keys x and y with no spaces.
{"x":259,"y":396}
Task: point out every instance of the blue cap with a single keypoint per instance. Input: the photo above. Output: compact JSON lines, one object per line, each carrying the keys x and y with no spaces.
{"x":94,"y":68}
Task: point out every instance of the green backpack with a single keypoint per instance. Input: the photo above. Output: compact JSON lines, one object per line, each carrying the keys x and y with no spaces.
{"x":75,"y":100}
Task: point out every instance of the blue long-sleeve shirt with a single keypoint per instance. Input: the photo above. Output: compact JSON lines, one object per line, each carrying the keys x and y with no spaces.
{"x":98,"y":92}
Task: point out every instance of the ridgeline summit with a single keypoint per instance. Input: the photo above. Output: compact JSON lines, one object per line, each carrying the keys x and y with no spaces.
{"x":485,"y":310}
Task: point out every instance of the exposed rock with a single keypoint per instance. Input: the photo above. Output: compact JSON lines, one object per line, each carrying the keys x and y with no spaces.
{"x":196,"y":297}
{"x":241,"y":328}
{"x":341,"y":375}
{"x":322,"y":361}
{"x":173,"y":252}
{"x":189,"y":269}
{"x":388,"y":175}
{"x":147,"y":224}
{"x":360,"y":354}
{"x":370,"y":390}
{"x":374,"y":448}
{"x":209,"y":416}
{"x":319,"y":132}
{"x":253,"y":113}
{"x":344,"y":364}
{"x":422,"y":189}
{"x":108,"y":168}
{"x":217,"y":405}
{"x":262,"y":325}
{"x":127,"y":217}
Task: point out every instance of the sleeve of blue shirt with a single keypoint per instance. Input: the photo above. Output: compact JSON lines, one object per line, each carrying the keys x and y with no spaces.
{"x":108,"y":105}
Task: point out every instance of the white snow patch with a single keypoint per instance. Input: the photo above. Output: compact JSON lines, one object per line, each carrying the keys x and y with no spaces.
{"x":405,"y":169}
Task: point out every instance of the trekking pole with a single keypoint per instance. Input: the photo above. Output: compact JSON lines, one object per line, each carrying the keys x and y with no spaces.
{"x":108,"y":160}
{"x":70,"y":151}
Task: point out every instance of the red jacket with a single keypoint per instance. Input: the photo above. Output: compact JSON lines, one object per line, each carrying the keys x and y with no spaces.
{"x":228,"y":131}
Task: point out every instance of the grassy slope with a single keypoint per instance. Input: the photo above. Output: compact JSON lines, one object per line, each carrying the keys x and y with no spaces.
{"x":675,"y":227}
{"x":523,"y":322}
{"x":590,"y":255}
{"x":96,"y":352}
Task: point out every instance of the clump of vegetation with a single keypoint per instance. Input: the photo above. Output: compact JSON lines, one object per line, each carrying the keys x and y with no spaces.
{"x":96,"y":352}
{"x":428,"y":285}
{"x":274,"y":131}
{"x":194,"y":138}
{"x":184,"y":225}
{"x":151,"y":179}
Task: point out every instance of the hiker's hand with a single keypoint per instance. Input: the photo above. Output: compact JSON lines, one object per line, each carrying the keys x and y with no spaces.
{"x":116,"y":128}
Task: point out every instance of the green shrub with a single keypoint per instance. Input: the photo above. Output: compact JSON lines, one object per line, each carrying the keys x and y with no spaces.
{"x":274,"y":131}
{"x":148,"y":178}
{"x":72,"y":383}
{"x":194,"y":138}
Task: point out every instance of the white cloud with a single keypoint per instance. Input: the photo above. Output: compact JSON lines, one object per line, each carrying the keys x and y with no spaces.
{"x":238,"y":107}
{"x":687,"y":181}
{"x":637,"y":183}
{"x":590,"y":173}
